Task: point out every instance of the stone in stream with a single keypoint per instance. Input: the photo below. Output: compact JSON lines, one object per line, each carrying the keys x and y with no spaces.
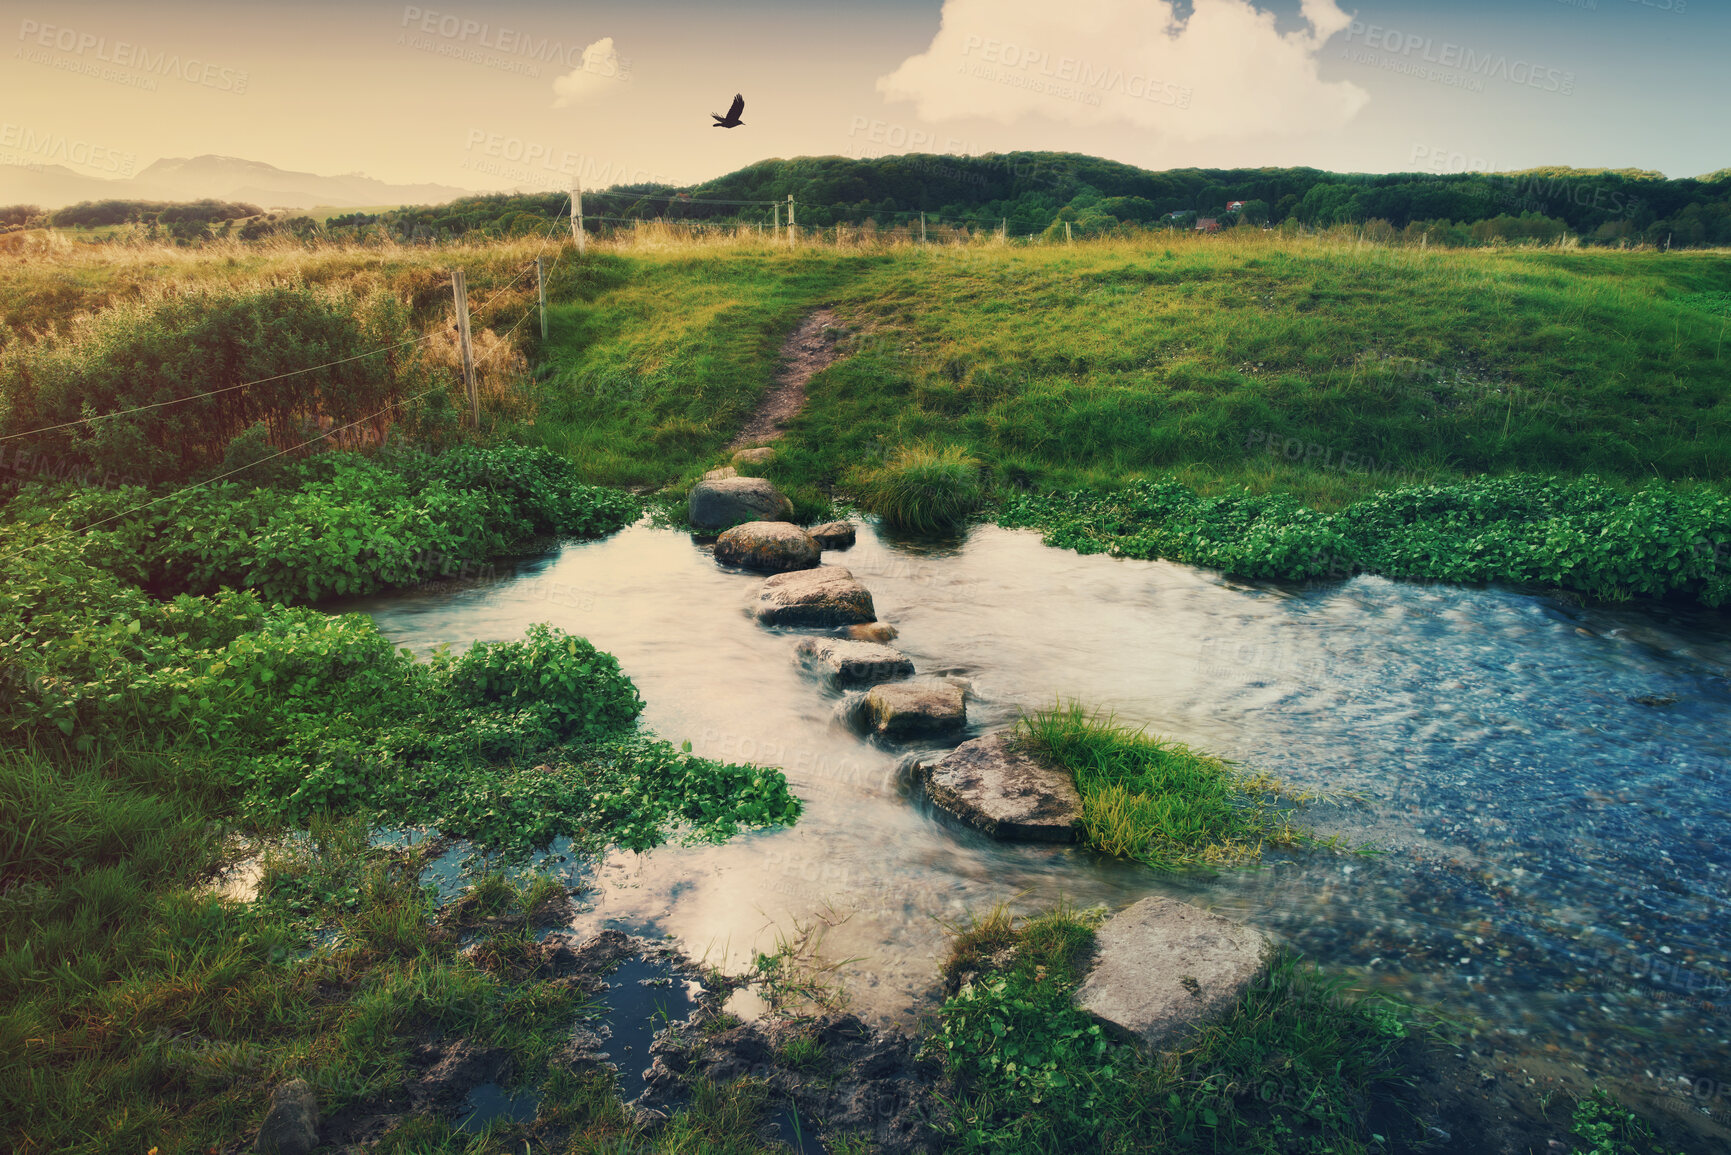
{"x":833,"y":534}
{"x":767,"y":546}
{"x":998,"y":786}
{"x":924,"y":708}
{"x":292,"y":1126}
{"x":853,"y":663}
{"x":762,"y":455}
{"x":1162,"y":966}
{"x":872,"y":632}
{"x":825,"y":596}
{"x":728,"y":501}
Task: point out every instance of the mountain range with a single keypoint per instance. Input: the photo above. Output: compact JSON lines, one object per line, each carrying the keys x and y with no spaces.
{"x":225,"y":178}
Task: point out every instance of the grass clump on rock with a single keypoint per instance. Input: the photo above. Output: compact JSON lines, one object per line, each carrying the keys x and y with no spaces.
{"x":924,"y":489}
{"x":1160,"y":802}
{"x":1298,"y":1065}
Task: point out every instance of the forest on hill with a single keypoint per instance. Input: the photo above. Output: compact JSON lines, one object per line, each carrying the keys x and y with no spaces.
{"x":1038,"y":192}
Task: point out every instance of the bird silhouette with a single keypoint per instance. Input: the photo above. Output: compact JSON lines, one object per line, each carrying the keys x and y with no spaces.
{"x":731,"y":120}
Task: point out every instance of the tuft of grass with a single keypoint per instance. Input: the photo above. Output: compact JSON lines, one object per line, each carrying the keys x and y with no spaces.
{"x":924,"y":489}
{"x":1611,"y":1128}
{"x":1160,"y":802}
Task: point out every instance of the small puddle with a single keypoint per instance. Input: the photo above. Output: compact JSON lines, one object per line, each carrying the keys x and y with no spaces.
{"x":797,"y":1132}
{"x":643,"y":997}
{"x":488,"y":1102}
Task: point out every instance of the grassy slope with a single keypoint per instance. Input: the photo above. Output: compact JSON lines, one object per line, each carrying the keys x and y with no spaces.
{"x":1105,"y":362}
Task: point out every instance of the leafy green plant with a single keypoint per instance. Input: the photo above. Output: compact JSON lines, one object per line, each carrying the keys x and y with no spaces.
{"x":1611,"y":1128}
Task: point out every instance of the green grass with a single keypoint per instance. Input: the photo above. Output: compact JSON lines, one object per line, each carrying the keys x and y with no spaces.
{"x":1158,"y":801}
{"x":1297,"y":1066}
{"x":923,"y":489}
{"x":1611,"y":1128}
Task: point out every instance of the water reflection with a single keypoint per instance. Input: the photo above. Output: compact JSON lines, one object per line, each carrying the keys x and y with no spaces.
{"x":1556,"y":852}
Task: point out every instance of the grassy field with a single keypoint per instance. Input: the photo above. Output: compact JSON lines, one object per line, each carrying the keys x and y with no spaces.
{"x":1321,"y":367}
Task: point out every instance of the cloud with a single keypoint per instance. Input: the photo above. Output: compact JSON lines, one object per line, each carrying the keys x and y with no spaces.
{"x":599,"y":70}
{"x":1225,"y":71}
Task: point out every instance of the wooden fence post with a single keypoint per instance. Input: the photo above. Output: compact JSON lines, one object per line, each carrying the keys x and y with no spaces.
{"x":461,"y":294}
{"x":922,"y":228}
{"x":1067,"y":239}
{"x":790,"y":220}
{"x":578,"y":233}
{"x":541,"y":292}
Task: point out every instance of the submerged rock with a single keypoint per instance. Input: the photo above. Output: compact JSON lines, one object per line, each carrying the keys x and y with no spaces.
{"x":292,"y":1126}
{"x":927,"y":707}
{"x":872,"y":632}
{"x":833,"y":534}
{"x":825,"y":596}
{"x":999,"y":787}
{"x":767,"y":546}
{"x":1162,"y":966}
{"x":854,"y":663}
{"x":725,"y":501}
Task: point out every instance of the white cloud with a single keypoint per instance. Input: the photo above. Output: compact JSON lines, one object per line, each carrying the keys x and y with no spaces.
{"x":1225,"y":71}
{"x":600,"y":70}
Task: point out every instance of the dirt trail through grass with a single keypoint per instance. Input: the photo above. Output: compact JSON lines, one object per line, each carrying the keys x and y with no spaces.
{"x":809,"y":349}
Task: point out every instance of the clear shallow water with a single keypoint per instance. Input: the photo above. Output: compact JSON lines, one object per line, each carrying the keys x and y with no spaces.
{"x":1557,"y":855}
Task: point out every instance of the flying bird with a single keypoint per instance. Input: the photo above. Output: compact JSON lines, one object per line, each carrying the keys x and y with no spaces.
{"x":731,"y":120}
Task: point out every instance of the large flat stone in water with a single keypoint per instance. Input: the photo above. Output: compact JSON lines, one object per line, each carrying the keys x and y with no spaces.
{"x":1163,"y":966}
{"x":723,"y":501}
{"x":923,"y":708}
{"x":851,"y":663}
{"x":825,"y":596}
{"x":767,"y":546}
{"x":998,"y":786}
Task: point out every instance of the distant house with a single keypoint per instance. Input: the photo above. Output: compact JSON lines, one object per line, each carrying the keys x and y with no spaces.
{"x":1207,"y":225}
{"x":1234,"y":206}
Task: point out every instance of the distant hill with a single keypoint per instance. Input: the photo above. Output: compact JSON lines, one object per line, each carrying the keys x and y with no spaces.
{"x":213,"y":177}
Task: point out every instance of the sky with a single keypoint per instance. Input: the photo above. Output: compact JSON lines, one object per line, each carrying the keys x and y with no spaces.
{"x":493,"y":94}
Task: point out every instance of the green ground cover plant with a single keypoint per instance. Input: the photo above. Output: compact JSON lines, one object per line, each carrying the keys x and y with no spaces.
{"x":338,"y":524}
{"x":1158,"y":801}
{"x":1607,"y":540}
{"x":923,"y":489}
{"x":1297,"y":1066}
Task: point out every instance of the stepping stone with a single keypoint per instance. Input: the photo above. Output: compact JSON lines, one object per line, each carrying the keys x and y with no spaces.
{"x":853,"y":663}
{"x":725,"y":501}
{"x":872,"y":632}
{"x":1162,"y":966}
{"x":721,"y":474}
{"x":292,"y":1125}
{"x":924,"y":708}
{"x":767,"y":546}
{"x":762,"y":455}
{"x":998,"y":786}
{"x":833,"y":534}
{"x":825,"y":596}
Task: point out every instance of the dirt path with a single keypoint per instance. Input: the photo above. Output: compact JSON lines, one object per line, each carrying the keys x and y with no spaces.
{"x":809,"y":348}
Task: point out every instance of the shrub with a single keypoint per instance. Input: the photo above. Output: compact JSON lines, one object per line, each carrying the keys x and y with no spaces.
{"x":923,"y":489}
{"x":578,"y":688}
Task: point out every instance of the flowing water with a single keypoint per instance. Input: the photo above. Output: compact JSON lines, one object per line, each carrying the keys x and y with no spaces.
{"x":1548,"y":784}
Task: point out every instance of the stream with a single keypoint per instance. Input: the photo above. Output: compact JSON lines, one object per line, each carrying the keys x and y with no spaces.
{"x":1546,"y":784}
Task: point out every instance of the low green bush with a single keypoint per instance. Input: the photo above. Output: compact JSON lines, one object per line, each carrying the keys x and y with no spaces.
{"x":923,"y":489}
{"x":342,"y":524}
{"x":1584,"y":534}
